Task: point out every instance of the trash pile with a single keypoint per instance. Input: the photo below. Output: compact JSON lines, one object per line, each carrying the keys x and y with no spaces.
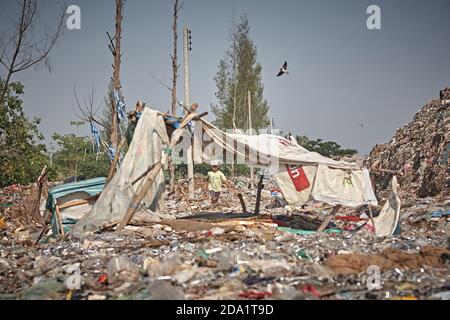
{"x":275,"y":255}
{"x":15,"y":220}
{"x":418,"y":153}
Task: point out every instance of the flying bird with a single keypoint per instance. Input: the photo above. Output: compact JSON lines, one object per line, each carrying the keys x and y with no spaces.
{"x":283,"y":70}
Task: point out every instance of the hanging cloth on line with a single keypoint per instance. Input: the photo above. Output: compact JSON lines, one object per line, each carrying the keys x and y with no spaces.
{"x":95,"y":138}
{"x":112,"y":154}
{"x":120,"y":106}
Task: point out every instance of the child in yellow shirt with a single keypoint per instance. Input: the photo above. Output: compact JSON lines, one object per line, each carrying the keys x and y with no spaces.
{"x":215,"y":180}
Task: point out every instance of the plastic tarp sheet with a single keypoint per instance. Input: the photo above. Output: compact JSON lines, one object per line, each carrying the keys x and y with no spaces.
{"x":386,"y":222}
{"x":300,"y":174}
{"x":145,"y":149}
{"x":261,"y":149}
{"x":350,"y":188}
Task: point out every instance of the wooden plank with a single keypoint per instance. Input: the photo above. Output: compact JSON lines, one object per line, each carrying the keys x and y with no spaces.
{"x":329,"y":218}
{"x":44,"y":229}
{"x":59,"y":218}
{"x":241,"y":199}
{"x":75,"y":203}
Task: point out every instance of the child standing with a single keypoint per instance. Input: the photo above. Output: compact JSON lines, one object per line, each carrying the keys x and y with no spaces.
{"x":215,"y":180}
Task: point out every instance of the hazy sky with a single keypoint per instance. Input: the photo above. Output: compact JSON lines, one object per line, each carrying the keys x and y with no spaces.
{"x":341,"y":73}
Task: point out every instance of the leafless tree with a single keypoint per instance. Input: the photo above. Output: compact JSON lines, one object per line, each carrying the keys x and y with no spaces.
{"x":177,"y":5}
{"x":115,"y":47}
{"x":161,"y":82}
{"x":89,"y":109}
{"x":20,"y":49}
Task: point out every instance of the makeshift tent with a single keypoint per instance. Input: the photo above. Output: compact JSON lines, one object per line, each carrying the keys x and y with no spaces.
{"x":145,"y":149}
{"x":70,"y":202}
{"x":300,"y":174}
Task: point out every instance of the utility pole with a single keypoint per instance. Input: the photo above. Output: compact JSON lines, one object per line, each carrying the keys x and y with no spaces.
{"x":252,"y":173}
{"x":187,"y":47}
{"x":250,"y":112}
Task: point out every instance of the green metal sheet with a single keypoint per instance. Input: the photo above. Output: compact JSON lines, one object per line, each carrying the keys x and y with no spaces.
{"x":92,"y":187}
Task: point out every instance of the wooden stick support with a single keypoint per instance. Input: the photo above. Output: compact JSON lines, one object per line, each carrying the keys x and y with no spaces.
{"x":258,"y":194}
{"x":59,"y":218}
{"x":44,"y":229}
{"x":371,"y":219}
{"x":136,"y":200}
{"x":241,"y":199}
{"x":329,"y":218}
{"x":143,"y":174}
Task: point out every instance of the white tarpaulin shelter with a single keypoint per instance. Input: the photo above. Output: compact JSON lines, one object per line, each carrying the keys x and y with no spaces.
{"x":300,"y":174}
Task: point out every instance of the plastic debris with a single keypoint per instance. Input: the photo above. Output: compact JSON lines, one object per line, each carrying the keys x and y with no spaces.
{"x":244,"y":259}
{"x":255,"y":294}
{"x":162,"y":290}
{"x":122,"y":269}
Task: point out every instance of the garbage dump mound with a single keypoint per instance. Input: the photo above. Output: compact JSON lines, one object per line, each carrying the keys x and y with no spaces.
{"x":418,"y":152}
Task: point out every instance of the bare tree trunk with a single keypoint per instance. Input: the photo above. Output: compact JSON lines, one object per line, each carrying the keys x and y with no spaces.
{"x":117,"y":86}
{"x":5,"y":88}
{"x":176,"y":8}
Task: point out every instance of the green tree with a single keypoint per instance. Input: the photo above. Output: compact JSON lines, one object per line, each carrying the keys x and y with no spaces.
{"x":76,"y":157}
{"x":325,"y":148}
{"x":22,"y":156}
{"x":239,"y":72}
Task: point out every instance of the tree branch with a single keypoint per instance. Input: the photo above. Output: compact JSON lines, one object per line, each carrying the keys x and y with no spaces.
{"x":162,"y":83}
{"x":27,"y":52}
